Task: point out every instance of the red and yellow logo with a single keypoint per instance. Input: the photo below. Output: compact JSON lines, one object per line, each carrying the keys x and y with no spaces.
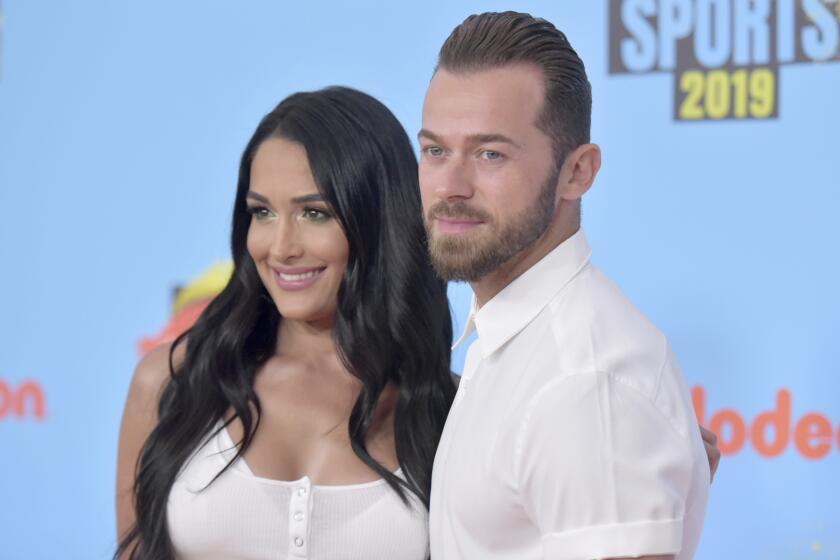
{"x":188,"y":303}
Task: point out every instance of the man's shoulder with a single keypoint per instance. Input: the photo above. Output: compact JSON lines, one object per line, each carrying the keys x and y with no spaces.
{"x":593,"y":314}
{"x":596,"y":335}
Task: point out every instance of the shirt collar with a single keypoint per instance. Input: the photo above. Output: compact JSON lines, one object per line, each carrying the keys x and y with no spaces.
{"x":501,"y":318}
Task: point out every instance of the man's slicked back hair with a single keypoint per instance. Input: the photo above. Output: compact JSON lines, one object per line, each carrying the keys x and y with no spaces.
{"x":494,"y":39}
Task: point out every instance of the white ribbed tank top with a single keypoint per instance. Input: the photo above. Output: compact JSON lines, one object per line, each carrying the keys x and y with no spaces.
{"x":243,"y":516}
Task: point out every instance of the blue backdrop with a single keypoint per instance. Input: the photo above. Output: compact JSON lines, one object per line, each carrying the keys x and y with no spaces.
{"x":121,"y":125}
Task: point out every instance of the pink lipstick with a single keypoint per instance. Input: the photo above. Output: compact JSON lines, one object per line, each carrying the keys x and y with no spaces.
{"x":299,"y":278}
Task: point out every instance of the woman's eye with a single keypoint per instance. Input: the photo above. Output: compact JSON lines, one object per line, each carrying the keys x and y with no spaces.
{"x":259,"y":212}
{"x":316,"y":215}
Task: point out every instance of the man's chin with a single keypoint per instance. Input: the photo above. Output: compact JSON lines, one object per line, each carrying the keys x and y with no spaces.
{"x":457,"y":274}
{"x":461,"y":267}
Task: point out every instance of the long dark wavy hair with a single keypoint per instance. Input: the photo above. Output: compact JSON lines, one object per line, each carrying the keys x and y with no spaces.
{"x":392,"y":322}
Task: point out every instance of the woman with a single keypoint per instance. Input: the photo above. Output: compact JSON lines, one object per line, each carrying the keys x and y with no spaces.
{"x":300,"y":415}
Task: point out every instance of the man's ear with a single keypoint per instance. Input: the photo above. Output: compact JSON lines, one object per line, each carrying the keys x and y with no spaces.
{"x":579,"y":171}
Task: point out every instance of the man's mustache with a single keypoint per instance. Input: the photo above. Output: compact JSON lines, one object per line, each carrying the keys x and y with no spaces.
{"x":459,"y":209}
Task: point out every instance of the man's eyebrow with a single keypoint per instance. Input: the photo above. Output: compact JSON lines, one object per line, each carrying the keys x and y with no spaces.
{"x":472,"y":138}
{"x":428,"y":134}
{"x":488,"y":138}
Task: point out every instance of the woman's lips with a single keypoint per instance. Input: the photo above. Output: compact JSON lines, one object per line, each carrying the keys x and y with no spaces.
{"x":293,"y":279}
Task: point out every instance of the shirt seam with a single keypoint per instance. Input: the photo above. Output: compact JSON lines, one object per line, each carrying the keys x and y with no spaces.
{"x":622,"y":525}
{"x":661,"y":368}
{"x":532,"y":403}
{"x":652,"y":399}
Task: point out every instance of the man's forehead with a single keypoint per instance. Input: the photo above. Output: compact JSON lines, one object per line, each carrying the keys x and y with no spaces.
{"x":499,"y":104}
{"x":497,"y":82}
{"x":498,"y":100}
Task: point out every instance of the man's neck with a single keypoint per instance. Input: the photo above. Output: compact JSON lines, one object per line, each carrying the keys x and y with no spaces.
{"x":559,"y":231}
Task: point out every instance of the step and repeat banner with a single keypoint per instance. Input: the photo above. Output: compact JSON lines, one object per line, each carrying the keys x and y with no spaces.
{"x":121,"y":125}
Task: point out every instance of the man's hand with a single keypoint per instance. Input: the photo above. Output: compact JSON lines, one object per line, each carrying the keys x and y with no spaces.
{"x":712,"y":451}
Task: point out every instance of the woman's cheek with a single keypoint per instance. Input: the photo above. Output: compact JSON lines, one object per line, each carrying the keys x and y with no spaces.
{"x":256,"y":243}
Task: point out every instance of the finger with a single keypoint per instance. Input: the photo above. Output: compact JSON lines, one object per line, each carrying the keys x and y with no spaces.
{"x":708,"y":436}
{"x":713,"y":454}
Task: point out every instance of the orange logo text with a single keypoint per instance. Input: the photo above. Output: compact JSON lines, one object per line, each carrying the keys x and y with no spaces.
{"x":26,"y":401}
{"x":772,"y":432}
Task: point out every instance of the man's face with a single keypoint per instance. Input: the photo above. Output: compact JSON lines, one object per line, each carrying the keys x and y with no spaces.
{"x":487,"y":173}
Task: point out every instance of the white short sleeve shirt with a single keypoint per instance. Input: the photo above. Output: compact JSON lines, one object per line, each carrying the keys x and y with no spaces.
{"x":572,"y":436}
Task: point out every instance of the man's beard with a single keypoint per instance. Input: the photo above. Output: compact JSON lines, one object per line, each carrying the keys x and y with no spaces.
{"x":470,"y":258}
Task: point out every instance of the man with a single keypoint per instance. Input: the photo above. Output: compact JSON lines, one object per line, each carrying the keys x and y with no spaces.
{"x":572,"y":435}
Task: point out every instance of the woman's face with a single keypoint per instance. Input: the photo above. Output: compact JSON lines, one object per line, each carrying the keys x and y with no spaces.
{"x":295,"y":240}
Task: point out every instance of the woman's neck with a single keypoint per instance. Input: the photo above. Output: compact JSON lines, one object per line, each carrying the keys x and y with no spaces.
{"x":304,"y":339}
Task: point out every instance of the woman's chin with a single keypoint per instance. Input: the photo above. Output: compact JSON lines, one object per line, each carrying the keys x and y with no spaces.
{"x":306,"y":314}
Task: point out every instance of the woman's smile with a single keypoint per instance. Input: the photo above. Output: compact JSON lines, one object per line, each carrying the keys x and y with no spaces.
{"x":298,"y":278}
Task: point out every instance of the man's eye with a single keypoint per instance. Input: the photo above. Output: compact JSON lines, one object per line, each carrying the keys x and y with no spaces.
{"x":434,"y":151}
{"x":491,"y":155}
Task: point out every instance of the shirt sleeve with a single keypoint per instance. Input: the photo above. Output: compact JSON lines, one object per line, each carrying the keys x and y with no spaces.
{"x":602,"y":471}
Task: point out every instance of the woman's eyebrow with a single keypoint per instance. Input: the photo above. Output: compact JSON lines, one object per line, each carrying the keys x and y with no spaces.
{"x":315,"y":197}
{"x":256,"y":196}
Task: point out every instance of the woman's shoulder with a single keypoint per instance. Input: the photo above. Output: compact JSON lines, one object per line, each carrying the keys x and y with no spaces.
{"x":152,"y":371}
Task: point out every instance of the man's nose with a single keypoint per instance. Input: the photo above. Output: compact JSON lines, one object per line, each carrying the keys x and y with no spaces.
{"x":456,"y":180}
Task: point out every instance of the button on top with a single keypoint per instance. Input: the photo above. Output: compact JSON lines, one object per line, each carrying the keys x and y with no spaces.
{"x":298,"y":519}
